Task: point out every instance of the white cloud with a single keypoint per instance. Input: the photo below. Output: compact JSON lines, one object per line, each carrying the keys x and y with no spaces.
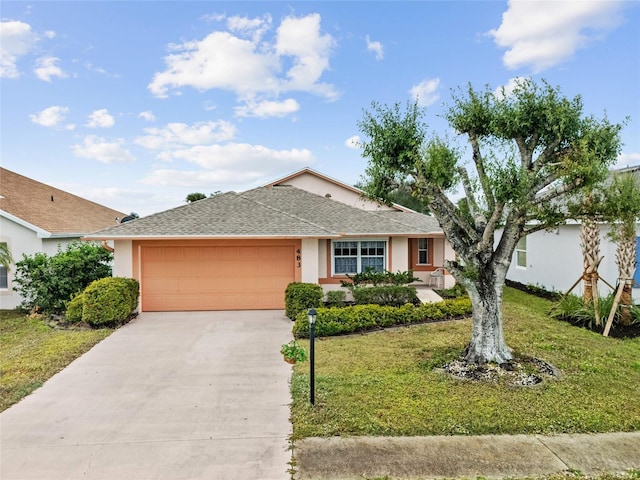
{"x":220,"y":60}
{"x":50,"y":117}
{"x":544,"y":34}
{"x":627,"y":160}
{"x":253,"y":28}
{"x":245,"y":61}
{"x":178,"y":135}
{"x":101,"y":118}
{"x":46,"y":68}
{"x":353,"y":142}
{"x":507,"y":89}
{"x":16,"y":40}
{"x":375,"y":47}
{"x":268,"y":108}
{"x":243,"y":158}
{"x":207,"y":179}
{"x":300,"y":38}
{"x":105,"y":151}
{"x":426,"y":92}
{"x":148,"y":116}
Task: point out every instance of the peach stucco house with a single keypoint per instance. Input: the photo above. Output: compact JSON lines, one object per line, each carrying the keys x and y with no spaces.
{"x":241,"y":250}
{"x":36,"y":217}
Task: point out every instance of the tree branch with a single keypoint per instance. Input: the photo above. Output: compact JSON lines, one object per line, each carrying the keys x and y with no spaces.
{"x":490,"y":228}
{"x":555,"y":192}
{"x":478,"y":217}
{"x":482,"y":174}
{"x":547,"y":154}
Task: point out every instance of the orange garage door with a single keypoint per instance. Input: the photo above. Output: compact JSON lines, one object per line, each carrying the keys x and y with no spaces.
{"x":184,"y":278}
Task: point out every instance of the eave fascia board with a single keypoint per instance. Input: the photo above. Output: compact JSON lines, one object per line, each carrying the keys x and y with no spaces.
{"x":205,"y":237}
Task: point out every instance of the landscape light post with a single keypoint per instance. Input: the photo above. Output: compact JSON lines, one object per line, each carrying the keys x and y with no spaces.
{"x":311,"y":315}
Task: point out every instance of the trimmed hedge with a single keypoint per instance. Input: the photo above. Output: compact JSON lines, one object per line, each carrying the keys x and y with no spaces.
{"x":391,"y":295}
{"x":110,"y":301}
{"x":360,"y":318}
{"x":300,"y":297}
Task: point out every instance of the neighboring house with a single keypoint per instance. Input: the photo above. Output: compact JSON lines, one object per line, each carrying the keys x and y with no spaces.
{"x":553,"y":260}
{"x":35,"y":217}
{"x":241,"y":250}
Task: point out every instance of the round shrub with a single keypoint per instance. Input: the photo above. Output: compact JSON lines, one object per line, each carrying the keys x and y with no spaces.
{"x":299,"y":297}
{"x":110,"y":301}
{"x":74,"y":309}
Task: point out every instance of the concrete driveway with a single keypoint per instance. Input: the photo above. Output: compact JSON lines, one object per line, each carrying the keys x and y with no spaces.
{"x":199,"y":395}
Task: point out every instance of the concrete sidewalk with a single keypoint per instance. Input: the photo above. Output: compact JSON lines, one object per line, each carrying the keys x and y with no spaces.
{"x":500,"y":456}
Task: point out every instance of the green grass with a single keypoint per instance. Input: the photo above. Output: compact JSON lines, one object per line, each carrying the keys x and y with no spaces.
{"x":31,"y":352}
{"x":384,"y":383}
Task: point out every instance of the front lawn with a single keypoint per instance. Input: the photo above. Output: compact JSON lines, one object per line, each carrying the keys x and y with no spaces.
{"x":384,"y":383}
{"x":31,"y":352}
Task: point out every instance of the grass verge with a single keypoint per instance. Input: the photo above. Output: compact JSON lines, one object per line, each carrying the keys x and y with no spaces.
{"x":384,"y":383}
{"x":31,"y":352}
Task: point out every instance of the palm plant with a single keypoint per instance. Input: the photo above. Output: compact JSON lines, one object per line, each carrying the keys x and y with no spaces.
{"x":5,"y":256}
{"x":623,"y":211}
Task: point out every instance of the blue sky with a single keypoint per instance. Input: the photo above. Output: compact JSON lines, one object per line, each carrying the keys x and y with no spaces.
{"x":136,"y":104}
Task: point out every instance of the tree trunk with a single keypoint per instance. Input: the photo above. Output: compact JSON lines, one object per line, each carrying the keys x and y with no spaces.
{"x":590,"y":243}
{"x":626,"y":260}
{"x":487,"y":337}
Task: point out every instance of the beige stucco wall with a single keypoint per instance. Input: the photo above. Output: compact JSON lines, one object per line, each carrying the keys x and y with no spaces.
{"x":320,"y":186}
{"x":322,"y":259}
{"x":310,"y":260}
{"x":123,"y":259}
{"x":399,"y":254}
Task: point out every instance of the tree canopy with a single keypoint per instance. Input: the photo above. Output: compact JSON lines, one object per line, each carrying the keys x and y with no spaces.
{"x":527,"y":152}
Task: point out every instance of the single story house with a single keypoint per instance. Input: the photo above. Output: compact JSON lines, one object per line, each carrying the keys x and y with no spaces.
{"x":553,"y":260}
{"x":35,"y":217}
{"x":239,"y":251}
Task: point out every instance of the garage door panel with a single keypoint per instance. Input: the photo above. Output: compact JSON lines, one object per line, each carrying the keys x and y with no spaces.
{"x":183,"y":278}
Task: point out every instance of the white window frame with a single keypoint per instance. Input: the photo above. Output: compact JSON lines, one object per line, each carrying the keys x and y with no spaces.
{"x":359,"y":255}
{"x":4,"y":273}
{"x":521,"y":252}
{"x":426,"y":250}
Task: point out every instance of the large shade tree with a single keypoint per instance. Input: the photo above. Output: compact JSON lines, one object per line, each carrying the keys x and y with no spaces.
{"x":529,"y":149}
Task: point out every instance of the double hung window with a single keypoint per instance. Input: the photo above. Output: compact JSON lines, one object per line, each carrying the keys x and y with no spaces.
{"x":521,"y":253}
{"x":423,"y":251}
{"x":357,"y":256}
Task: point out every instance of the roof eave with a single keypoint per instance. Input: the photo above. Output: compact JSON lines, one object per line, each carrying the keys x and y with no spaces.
{"x":203,"y":237}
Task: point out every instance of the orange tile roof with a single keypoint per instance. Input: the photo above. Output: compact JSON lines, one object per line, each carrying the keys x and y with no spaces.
{"x":51,"y":209}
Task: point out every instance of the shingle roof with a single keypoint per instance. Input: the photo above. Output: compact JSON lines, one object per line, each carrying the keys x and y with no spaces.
{"x":279,"y":211}
{"x":51,"y":209}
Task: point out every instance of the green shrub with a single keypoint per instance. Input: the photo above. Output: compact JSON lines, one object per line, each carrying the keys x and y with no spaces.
{"x":74,"y":309}
{"x":394,"y":295}
{"x":375,"y":278}
{"x":110,"y":301}
{"x":47,"y":283}
{"x":359,"y":318}
{"x":572,"y":309}
{"x":300,"y":297}
{"x":336,"y":298}
{"x":456,"y":291}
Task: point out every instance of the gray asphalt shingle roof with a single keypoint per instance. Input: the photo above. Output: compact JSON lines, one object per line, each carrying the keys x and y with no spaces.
{"x":278,"y":211}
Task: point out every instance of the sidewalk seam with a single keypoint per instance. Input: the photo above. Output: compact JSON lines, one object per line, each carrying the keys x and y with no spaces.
{"x":540,"y":439}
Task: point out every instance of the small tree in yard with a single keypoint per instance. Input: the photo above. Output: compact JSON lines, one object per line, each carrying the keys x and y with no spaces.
{"x":531,"y":150}
{"x":622,"y":208}
{"x":47,"y":283}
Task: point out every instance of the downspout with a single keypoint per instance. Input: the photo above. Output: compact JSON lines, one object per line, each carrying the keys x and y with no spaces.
{"x":108,"y":248}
